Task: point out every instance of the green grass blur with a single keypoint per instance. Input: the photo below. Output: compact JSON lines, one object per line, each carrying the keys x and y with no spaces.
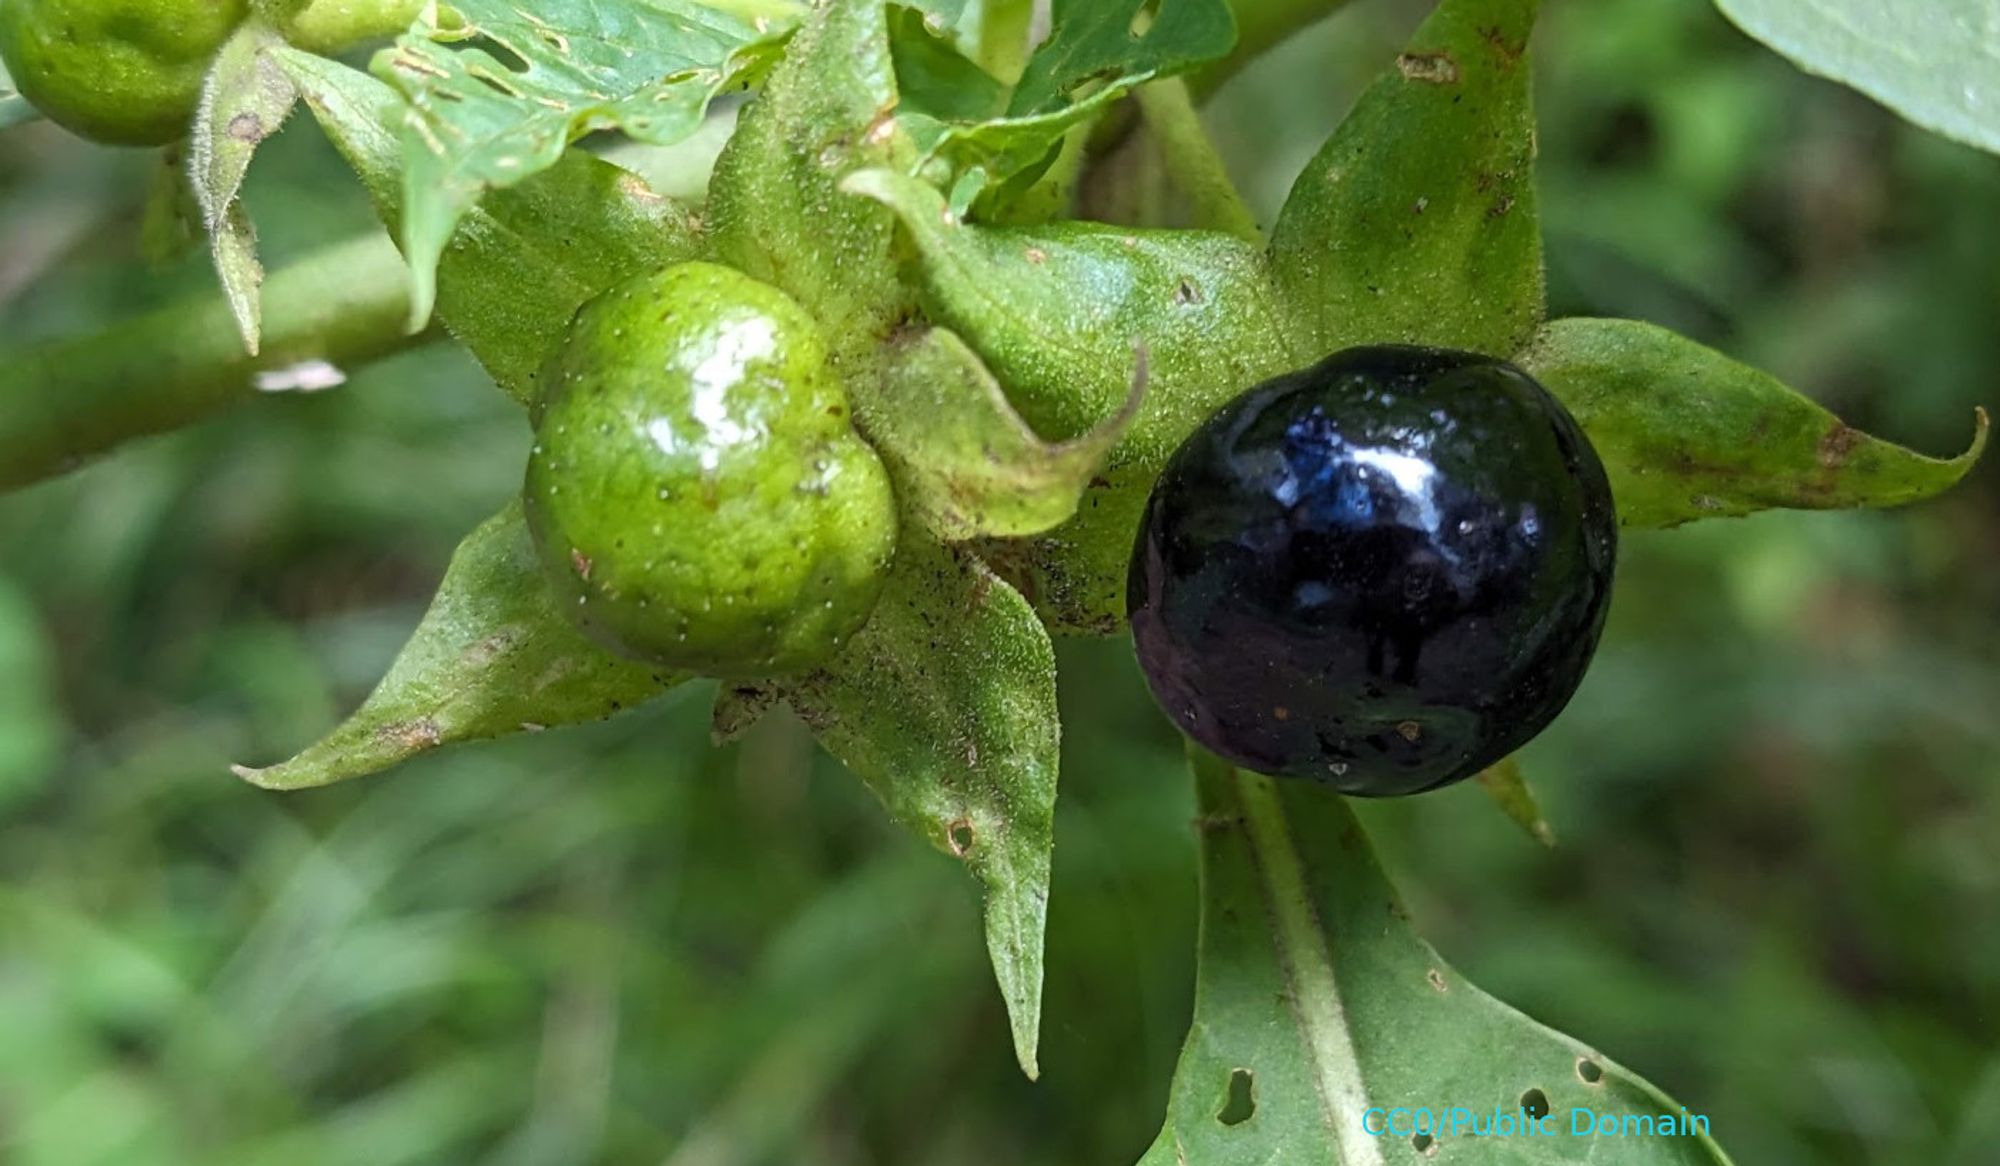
{"x":1778,"y":795}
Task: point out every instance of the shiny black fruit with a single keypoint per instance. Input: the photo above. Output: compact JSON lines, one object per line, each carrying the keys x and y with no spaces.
{"x":1384,"y":572}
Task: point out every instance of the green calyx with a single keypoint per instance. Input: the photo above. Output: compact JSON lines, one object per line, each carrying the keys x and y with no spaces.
{"x":121,"y":72}
{"x":697,"y":493}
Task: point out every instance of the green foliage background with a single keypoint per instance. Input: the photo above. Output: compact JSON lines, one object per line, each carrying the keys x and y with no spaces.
{"x":1776,"y":891}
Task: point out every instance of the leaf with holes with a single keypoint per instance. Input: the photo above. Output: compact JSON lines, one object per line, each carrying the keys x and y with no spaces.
{"x":498,"y":92}
{"x":1936,"y":62}
{"x":1056,"y":312}
{"x":1319,"y":1010}
{"x":245,"y":99}
{"x":945,"y":704}
{"x":1416,"y":222}
{"x":492,"y":657}
{"x":1687,"y":433}
{"x":521,"y":263}
{"x":973,"y":135}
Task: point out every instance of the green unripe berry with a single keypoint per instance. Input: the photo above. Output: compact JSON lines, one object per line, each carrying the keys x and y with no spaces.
{"x":697,"y":492}
{"x":122,"y":72}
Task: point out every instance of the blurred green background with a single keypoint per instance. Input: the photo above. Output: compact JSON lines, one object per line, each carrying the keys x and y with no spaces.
{"x":1777,"y":890}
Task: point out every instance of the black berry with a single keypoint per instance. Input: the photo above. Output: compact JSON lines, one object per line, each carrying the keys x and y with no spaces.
{"x":1384,"y":572}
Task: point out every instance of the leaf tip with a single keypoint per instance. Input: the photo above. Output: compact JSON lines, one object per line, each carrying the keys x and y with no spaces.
{"x":270,"y":777}
{"x":423,"y":297}
{"x":1980,"y":424}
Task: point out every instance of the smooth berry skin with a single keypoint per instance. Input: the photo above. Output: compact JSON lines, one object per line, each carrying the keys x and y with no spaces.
{"x":120,"y":72}
{"x":697,"y":492}
{"x":1385,"y":572}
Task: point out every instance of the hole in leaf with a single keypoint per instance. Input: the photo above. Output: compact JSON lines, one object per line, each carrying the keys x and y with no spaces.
{"x":1240,"y":1105}
{"x":1143,"y":19}
{"x":502,"y":54}
{"x":1422,"y":1143}
{"x":959,"y":835}
{"x":1589,"y":1071}
{"x":1535,"y":1103}
{"x":498,"y":83}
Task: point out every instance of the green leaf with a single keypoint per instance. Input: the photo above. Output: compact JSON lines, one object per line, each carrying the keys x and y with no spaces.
{"x":828,"y":109}
{"x":965,"y":463}
{"x":945,"y":705}
{"x":1111,"y":41}
{"x":1056,"y":312}
{"x":1688,"y":433}
{"x":245,"y":99}
{"x":1508,"y":786}
{"x":937,"y":81}
{"x":1416,"y":222}
{"x":1317,"y":1002}
{"x":498,"y":92}
{"x":1936,"y":62}
{"x":493,"y":656}
{"x":1091,"y":59}
{"x":523,"y":261}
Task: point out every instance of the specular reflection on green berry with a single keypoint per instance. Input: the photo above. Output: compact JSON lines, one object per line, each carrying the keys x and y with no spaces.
{"x":696,"y":490}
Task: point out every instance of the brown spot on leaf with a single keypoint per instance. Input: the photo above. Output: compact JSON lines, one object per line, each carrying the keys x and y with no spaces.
{"x":1037,"y":256}
{"x":1431,"y":68}
{"x":635,"y":188}
{"x":246,"y":127}
{"x":1838,"y":443}
{"x":1437,"y":980}
{"x":487,"y":650}
{"x":412,"y":736}
{"x":1409,"y":730}
{"x":581,"y":562}
{"x":1500,"y":206}
{"x":1507,"y":50}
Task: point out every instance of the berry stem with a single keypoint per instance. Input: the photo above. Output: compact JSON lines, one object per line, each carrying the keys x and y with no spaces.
{"x":1192,"y":161}
{"x":72,"y":398}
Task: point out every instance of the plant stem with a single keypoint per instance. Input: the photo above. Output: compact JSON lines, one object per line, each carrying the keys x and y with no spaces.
{"x":73,"y":398}
{"x":1191,"y":159}
{"x":1003,"y":37}
{"x":1262,"y":25}
{"x":330,"y":26}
